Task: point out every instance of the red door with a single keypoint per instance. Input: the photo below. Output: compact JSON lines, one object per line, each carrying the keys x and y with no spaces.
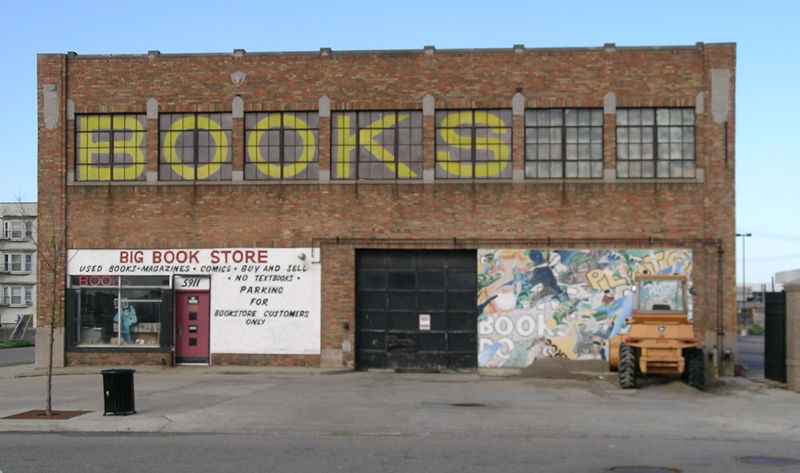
{"x":191,"y":327}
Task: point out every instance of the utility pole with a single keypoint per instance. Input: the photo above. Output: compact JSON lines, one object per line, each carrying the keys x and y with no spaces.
{"x":744,"y":281}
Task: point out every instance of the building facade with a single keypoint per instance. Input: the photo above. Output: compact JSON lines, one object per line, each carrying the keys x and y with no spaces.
{"x":17,"y":264}
{"x":431,"y":209}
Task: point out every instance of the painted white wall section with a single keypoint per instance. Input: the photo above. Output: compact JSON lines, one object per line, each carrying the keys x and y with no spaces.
{"x":263,"y":300}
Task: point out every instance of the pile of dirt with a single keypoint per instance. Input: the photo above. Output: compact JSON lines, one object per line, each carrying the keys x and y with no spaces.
{"x":562,"y":368}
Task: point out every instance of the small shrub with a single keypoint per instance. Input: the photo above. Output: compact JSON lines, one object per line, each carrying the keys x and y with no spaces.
{"x":16,"y":344}
{"x":756,"y":329}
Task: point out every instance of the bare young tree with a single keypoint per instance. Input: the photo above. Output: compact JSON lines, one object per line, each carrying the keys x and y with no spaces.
{"x":51,"y":256}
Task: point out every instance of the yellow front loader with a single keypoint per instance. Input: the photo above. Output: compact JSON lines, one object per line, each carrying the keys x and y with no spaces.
{"x":661,"y":339}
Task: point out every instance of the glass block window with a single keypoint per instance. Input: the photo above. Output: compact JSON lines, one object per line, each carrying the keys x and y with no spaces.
{"x":473,"y":144}
{"x":376,"y":145}
{"x":110,"y":147}
{"x":564,"y":143}
{"x":655,"y":143}
{"x":195,"y":146}
{"x":281,"y":145}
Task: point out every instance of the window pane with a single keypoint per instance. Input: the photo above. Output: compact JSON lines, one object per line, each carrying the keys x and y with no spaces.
{"x":571,"y":117}
{"x":556,"y":170}
{"x":584,"y":117}
{"x":556,"y":117}
{"x":622,"y":117}
{"x":634,"y":117}
{"x":572,"y":152}
{"x":647,"y":151}
{"x":530,"y":117}
{"x":688,"y":151}
{"x":597,"y":118}
{"x":584,"y":151}
{"x":622,"y":152}
{"x":675,"y":134}
{"x":663,"y":169}
{"x":648,"y":169}
{"x":662,"y":116}
{"x":687,"y":116}
{"x":635,"y":169}
{"x":584,"y":170}
{"x":648,"y":116}
{"x":572,"y":135}
{"x":634,"y":150}
{"x":597,"y":152}
{"x":688,"y":134}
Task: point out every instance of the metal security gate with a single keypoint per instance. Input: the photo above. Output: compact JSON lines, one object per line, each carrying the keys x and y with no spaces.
{"x":775,"y":337}
{"x":416,"y":310}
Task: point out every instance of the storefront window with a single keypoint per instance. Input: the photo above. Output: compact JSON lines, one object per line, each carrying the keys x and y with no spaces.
{"x":118,"y":311}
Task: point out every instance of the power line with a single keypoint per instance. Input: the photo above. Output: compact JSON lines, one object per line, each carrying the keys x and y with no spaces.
{"x":776,"y":236}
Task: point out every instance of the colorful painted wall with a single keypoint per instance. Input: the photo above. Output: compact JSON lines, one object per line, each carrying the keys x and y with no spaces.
{"x":535,"y":304}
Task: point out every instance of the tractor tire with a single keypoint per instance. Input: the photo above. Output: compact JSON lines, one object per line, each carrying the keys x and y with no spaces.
{"x":696,"y":368}
{"x":627,"y":366}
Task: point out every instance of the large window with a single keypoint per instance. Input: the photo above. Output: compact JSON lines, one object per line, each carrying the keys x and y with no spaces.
{"x":18,"y":296}
{"x":281,"y":145}
{"x":18,"y":229}
{"x":376,"y":145}
{"x":473,"y":144}
{"x":564,"y":143}
{"x":195,"y":146}
{"x":17,"y":262}
{"x":110,"y":147}
{"x":117,"y":310}
{"x":655,"y":143}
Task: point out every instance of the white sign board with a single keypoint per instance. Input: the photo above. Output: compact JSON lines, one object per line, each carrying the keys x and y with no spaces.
{"x":424,"y":322}
{"x":263,"y":300}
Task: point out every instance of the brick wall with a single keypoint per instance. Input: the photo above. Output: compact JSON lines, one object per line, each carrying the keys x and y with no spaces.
{"x":579,"y":214}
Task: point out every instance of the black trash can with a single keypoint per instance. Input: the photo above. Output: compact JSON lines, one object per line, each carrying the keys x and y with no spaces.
{"x":118,"y":392}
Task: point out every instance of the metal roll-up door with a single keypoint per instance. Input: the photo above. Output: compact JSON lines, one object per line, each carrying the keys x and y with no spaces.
{"x":416,"y":310}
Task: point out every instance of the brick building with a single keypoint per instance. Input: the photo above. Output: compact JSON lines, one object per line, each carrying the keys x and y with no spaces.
{"x":403,"y":209}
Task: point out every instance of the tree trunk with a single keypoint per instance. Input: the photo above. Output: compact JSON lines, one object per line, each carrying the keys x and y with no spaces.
{"x":48,"y":411}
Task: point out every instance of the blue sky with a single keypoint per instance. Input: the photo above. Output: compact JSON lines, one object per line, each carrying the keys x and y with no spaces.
{"x":766,"y":34}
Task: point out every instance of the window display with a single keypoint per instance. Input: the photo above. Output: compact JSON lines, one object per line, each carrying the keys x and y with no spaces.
{"x":118,"y":310}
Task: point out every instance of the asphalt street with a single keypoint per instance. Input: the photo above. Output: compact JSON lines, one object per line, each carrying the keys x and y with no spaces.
{"x":16,"y":356}
{"x":269,"y":419}
{"x":751,"y":355}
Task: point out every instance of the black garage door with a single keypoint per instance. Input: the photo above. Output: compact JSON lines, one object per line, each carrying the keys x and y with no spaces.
{"x":416,"y":310}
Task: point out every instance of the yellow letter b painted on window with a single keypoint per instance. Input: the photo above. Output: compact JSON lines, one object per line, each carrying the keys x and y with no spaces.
{"x":98,"y":135}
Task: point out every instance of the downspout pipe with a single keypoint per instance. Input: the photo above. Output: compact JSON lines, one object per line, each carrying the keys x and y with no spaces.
{"x":720,"y":318}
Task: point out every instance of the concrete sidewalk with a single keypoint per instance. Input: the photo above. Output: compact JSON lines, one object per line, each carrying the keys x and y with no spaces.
{"x":264,"y":400}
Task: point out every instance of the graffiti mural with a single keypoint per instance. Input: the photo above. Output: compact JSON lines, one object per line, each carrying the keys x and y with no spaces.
{"x":535,"y":304}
